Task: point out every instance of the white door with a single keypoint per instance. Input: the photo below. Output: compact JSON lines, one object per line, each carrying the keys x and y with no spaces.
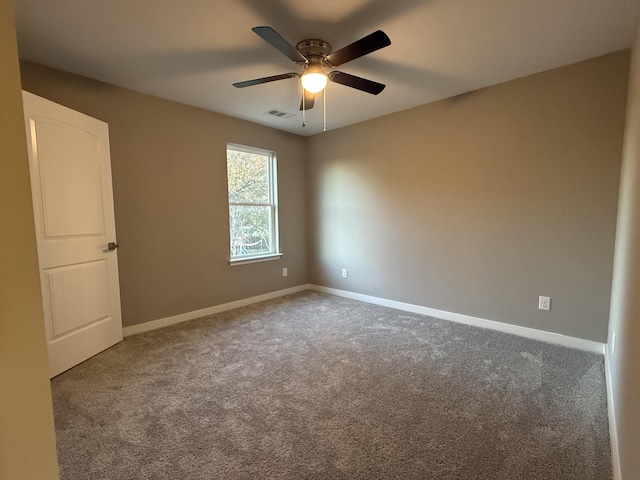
{"x":73,"y":205}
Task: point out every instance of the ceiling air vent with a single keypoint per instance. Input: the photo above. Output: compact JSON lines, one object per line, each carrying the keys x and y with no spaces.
{"x":279,"y":113}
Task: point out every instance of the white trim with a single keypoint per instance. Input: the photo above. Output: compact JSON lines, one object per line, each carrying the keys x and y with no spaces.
{"x":183,"y":317}
{"x":261,"y":258}
{"x":613,"y":428}
{"x":541,"y":335}
{"x":526,"y":332}
{"x":274,"y":227}
{"x":252,"y":150}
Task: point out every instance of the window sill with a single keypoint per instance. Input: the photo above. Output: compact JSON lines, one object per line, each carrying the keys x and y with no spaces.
{"x":261,"y":258}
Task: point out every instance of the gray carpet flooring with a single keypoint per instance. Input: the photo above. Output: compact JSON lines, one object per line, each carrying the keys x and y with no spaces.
{"x":313,"y":386}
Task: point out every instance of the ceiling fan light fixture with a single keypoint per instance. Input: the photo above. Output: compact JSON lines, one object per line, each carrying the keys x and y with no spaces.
{"x":314,"y":81}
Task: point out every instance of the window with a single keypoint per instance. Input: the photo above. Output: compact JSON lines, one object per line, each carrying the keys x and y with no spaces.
{"x":253,"y":206}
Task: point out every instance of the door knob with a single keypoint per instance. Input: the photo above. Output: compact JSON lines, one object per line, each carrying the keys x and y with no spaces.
{"x":112,"y":245}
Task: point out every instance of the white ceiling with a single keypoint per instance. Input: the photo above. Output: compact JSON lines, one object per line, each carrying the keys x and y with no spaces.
{"x":191,"y":51}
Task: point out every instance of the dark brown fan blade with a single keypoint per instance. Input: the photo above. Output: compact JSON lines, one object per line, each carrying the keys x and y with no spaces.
{"x":358,"y":83}
{"x":274,"y":39}
{"x":307,"y":101}
{"x":258,"y":81}
{"x":370,"y":43}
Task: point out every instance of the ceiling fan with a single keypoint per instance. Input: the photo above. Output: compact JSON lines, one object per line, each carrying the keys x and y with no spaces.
{"x":315,"y":57}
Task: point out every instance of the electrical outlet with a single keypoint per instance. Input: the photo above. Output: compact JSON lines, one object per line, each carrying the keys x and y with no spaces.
{"x":344,"y":273}
{"x":544,"y":303}
{"x":284,"y":272}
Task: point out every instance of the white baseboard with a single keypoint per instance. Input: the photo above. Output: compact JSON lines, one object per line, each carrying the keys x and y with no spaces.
{"x":183,"y":317}
{"x":544,"y":336}
{"x":549,"y":337}
{"x":613,"y":429}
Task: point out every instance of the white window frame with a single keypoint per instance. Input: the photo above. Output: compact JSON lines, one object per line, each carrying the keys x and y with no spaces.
{"x":272,"y":202}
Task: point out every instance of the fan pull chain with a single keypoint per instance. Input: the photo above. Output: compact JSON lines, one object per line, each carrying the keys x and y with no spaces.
{"x":304,"y":109}
{"x":324,"y":107}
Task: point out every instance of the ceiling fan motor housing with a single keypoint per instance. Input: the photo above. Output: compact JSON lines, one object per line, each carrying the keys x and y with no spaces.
{"x":314,"y":50}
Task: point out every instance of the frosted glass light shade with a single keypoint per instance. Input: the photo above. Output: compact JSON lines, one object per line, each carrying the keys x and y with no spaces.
{"x":314,"y":82}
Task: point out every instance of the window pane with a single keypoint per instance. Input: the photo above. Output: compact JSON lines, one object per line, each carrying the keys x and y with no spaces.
{"x":250,"y":230}
{"x":253,"y":211}
{"x":248,"y":177}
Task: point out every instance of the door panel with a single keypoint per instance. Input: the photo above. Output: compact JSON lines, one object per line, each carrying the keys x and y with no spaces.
{"x":69,"y":161}
{"x":70,"y":169}
{"x":79,"y":296}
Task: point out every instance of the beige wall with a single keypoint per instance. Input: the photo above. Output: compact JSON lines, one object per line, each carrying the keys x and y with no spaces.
{"x":27,"y":440}
{"x":480,"y":203}
{"x":170,"y":195}
{"x":624,"y":324}
{"x":474,"y":205}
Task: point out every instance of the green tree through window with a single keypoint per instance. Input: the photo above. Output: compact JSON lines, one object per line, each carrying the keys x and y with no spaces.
{"x":253,"y":215}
